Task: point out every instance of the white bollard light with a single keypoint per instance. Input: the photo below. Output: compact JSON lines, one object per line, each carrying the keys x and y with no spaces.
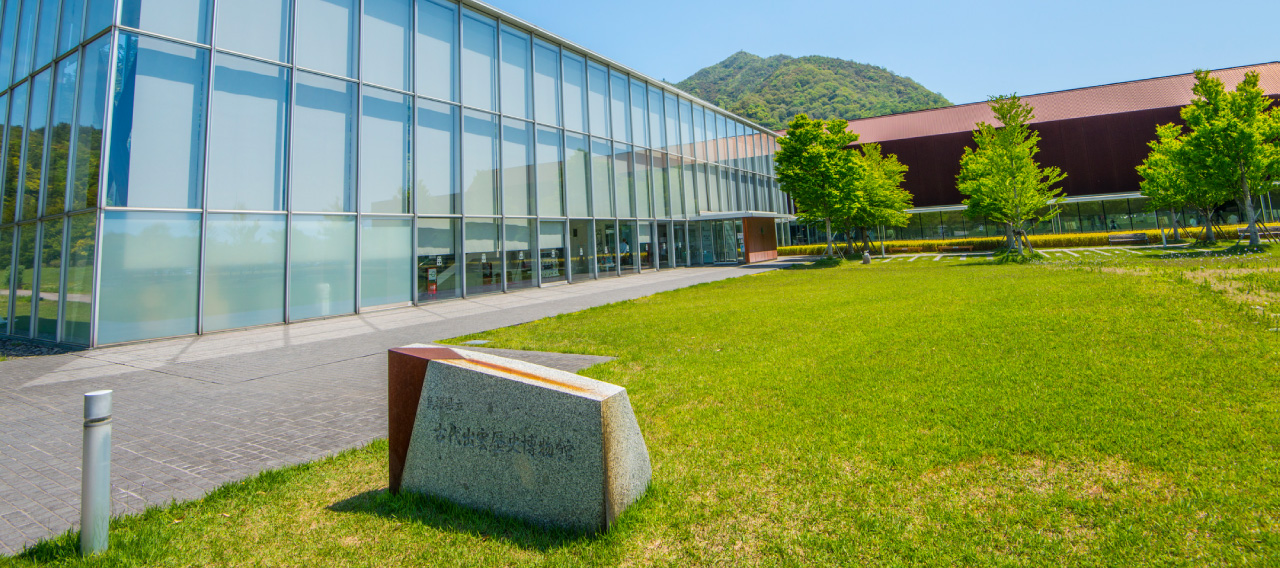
{"x":95,"y":473}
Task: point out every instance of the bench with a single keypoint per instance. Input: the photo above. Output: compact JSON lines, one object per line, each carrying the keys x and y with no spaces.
{"x":961,"y":248}
{"x":1127,"y":238}
{"x":1264,"y":234}
{"x":896,"y":250}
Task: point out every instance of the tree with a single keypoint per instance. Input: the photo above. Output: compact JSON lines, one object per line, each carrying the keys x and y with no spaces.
{"x":878,"y":190}
{"x":1230,"y":150}
{"x":1001,"y":178}
{"x":814,"y":169}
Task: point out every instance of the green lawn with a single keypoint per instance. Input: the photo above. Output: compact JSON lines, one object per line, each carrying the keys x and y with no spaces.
{"x":1108,"y":411}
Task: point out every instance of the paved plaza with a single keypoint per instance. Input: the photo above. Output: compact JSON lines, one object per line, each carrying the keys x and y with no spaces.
{"x":194,"y":413}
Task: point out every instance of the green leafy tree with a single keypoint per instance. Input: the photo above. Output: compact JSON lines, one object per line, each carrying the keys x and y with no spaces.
{"x":814,"y":168}
{"x":1001,"y":178}
{"x":877,"y":189}
{"x":1229,"y":150}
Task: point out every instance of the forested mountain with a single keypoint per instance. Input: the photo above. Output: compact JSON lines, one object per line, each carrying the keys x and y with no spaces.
{"x":772,"y":91}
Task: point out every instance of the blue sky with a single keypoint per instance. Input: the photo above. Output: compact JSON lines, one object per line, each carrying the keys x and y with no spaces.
{"x":964,"y":50}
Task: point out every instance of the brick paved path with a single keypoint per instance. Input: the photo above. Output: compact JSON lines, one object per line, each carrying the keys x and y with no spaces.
{"x":194,"y":413}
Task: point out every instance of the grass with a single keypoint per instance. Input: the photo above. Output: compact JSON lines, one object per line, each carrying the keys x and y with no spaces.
{"x":1081,"y":411}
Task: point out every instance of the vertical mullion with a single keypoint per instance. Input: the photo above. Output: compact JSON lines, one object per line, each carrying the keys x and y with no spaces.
{"x":359,"y":204}
{"x":204,"y":173}
{"x":413,"y":152}
{"x":460,"y":243}
{"x":502,"y":129}
{"x":288,"y":186}
{"x":104,"y":163}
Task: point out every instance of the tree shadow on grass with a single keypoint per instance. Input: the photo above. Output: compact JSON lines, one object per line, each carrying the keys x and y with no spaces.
{"x":446,"y":516}
{"x":1234,"y":250}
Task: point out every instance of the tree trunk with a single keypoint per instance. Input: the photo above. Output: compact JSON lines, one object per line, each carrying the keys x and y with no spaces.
{"x":866,"y":239}
{"x":1210,"y":237}
{"x":1248,"y":211}
{"x":1173,"y":218}
{"x":1008,"y":236}
{"x":1030,"y":248}
{"x":830,"y":247}
{"x":1017,"y":238}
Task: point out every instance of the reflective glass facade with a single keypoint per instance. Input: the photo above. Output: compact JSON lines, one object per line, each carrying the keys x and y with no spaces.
{"x":270,"y":161}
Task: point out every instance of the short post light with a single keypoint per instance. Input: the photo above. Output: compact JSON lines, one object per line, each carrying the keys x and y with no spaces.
{"x":95,"y":473}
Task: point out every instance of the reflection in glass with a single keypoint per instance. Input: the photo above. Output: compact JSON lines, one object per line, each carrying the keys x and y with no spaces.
{"x":621,"y":120}
{"x":384,"y":51}
{"x":691,"y":193}
{"x":575,"y":92}
{"x":326,"y":36}
{"x":517,"y":91}
{"x":551,"y":251}
{"x":598,"y":99}
{"x":37,"y":127}
{"x":601,"y":177}
{"x":13,"y":151}
{"x":6,"y":275}
{"x":385,"y":152}
{"x":386,"y":262}
{"x":50,"y":281}
{"x":158,"y":116}
{"x":662,"y":251}
{"x":8,"y":33}
{"x":436,"y":59}
{"x":24,"y":279}
{"x":550,"y":173}
{"x":255,"y":27}
{"x":577,"y":174}
{"x":581,"y":250}
{"x":517,"y":167}
{"x":638,"y":111}
{"x":484,"y":260}
{"x":90,"y":114}
{"x":45,"y":35}
{"x":623,"y":180}
{"x":671,"y":111}
{"x":322,"y":269}
{"x":657,"y":136}
{"x":64,"y":100}
{"x":26,"y":38}
{"x":98,"y":16}
{"x":323,"y":165}
{"x":437,"y":158}
{"x":438,"y":267}
{"x":681,"y":250}
{"x":546,"y":82}
{"x":150,"y":265}
{"x":243,"y":271}
{"x":181,"y":19}
{"x":661,"y":191}
{"x":247,"y":129}
{"x":606,"y":249}
{"x":645,"y":247}
{"x":78,"y":299}
{"x":479,"y":61}
{"x":627,"y":242}
{"x":641,"y":189}
{"x":519,"y":250}
{"x":479,"y":163}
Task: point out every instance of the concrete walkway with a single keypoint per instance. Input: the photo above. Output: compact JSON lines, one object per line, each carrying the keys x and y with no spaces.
{"x":194,"y":413}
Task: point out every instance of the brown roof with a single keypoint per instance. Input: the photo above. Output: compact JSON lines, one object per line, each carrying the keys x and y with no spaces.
{"x":1161,"y":92}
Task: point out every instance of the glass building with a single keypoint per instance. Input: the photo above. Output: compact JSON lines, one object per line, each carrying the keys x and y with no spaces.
{"x":173,"y":168}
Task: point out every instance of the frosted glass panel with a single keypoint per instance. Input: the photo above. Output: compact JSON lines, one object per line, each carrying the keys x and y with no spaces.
{"x":601,"y":178}
{"x":327,"y":31}
{"x":255,"y":27}
{"x":517,"y":167}
{"x":550,"y":171}
{"x":247,"y":134}
{"x":386,"y":262}
{"x":437,"y":158}
{"x":384,"y":152}
{"x":323,"y":266}
{"x":577,"y":175}
{"x":387,"y":35}
{"x":244,"y":271}
{"x":158,"y":116}
{"x":181,"y":19}
{"x":150,"y":264}
{"x":623,"y":180}
{"x":437,"y":50}
{"x":480,"y":163}
{"x":324,"y":158}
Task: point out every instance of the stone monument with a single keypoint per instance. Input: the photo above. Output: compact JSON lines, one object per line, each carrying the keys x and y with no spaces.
{"x":522,"y":440}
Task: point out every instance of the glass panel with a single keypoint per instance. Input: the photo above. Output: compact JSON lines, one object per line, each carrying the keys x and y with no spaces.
{"x":243,"y":271}
{"x":606,"y":249}
{"x":26,"y":38}
{"x":601,"y":176}
{"x":598,"y":99}
{"x":322,"y":269}
{"x":479,"y":163}
{"x":517,"y":89}
{"x":657,"y":136}
{"x":384,"y":50}
{"x":385,"y":152}
{"x":519,"y":251}
{"x":550,"y":173}
{"x":158,"y":115}
{"x":661,"y":191}
{"x":691,"y":204}
{"x":687,"y":137}
{"x":79,"y":266}
{"x":437,"y":158}
{"x":672,"y":143}
{"x":699,"y":133}
{"x":386,"y":262}
{"x":100,"y":15}
{"x":626,"y":246}
{"x":621,"y":119}
{"x":663,"y":249}
{"x":1144,"y":219}
{"x":551,"y":251}
{"x":255,"y":27}
{"x":438,"y":277}
{"x":546,"y":82}
{"x":581,"y":250}
{"x":1091,"y":219}
{"x":64,"y":101}
{"x":437,"y":50}
{"x":37,"y":122}
{"x":327,"y":31}
{"x":8,"y":33}
{"x":642,"y":188}
{"x":24,"y":280}
{"x":479,"y":61}
{"x":517,"y":167}
{"x":484,"y":268}
{"x":181,"y":19}
{"x":575,"y":92}
{"x":46,"y":37}
{"x":623,"y":181}
{"x":247,"y":129}
{"x":697,"y":254}
{"x":150,"y":264}
{"x":322,"y":168}
{"x":90,"y":114}
{"x":50,"y":281}
{"x":953,"y":224}
{"x":577,"y":175}
{"x":639,"y":118}
{"x":1118,"y":215}
{"x":6,"y":272}
{"x":13,"y":151}
{"x":646,"y":246}
{"x":681,"y":250}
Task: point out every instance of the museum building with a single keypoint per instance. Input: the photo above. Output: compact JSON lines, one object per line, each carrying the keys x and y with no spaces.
{"x":175,"y":167}
{"x":1096,"y":135}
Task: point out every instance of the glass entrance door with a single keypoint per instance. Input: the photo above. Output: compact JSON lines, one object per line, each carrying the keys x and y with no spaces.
{"x":581,"y":250}
{"x":664,"y":245}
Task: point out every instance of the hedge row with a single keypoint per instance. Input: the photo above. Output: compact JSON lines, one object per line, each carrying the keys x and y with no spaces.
{"x":993,"y":243}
